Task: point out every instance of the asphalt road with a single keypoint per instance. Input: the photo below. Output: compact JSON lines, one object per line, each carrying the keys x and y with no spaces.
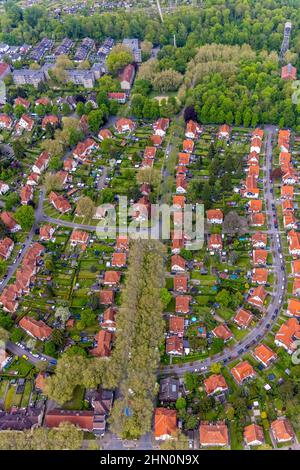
{"x":257,"y":333}
{"x":14,"y":266}
{"x":15,"y":349}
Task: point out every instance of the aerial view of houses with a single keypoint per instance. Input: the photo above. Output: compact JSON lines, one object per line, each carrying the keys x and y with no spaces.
{"x":149,"y":226}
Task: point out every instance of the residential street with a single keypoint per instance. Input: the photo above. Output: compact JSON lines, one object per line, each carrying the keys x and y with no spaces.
{"x":14,"y":266}
{"x":269,"y":318}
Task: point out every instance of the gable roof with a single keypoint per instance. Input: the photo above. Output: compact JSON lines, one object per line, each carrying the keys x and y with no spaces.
{"x":213,"y":434}
{"x":165,"y":422}
{"x":36,"y":328}
{"x":243,"y":371}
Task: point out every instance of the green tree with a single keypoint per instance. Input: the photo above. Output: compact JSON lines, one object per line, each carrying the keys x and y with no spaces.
{"x":24,"y":215}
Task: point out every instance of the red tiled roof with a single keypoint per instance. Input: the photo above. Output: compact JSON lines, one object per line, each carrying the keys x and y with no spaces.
{"x":104,"y":341}
{"x":215,"y":383}
{"x":165,"y":422}
{"x":82,"y":419}
{"x":176,"y":325}
{"x":213,"y":434}
{"x":243,"y":371}
{"x":243,"y":317}
{"x":36,"y":328}
{"x":222,"y":331}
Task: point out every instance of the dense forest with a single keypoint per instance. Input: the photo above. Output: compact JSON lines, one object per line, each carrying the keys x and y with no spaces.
{"x":259,"y":24}
{"x":225,"y":63}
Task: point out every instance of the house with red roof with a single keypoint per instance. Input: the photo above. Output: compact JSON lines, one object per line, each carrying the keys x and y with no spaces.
{"x":19,"y":101}
{"x":287,"y":334}
{"x":257,"y":220}
{"x":289,"y":221}
{"x":26,"y":194}
{"x":180,"y":283}
{"x":188,"y":146}
{"x":182,"y":304}
{"x":215,"y":243}
{"x":243,"y":372}
{"x":160,"y":126}
{"x":293,"y":308}
{"x":70,"y":164}
{"x":294,"y":243}
{"x":288,"y":72}
{"x":282,"y":430}
{"x":104,"y":134}
{"x":33,"y":179}
{"x":174,"y":345}
{"x":59,"y":202}
{"x":260,"y":276}
{"x":156,"y":140}
{"x":79,"y":237}
{"x":192,"y":130}
{"x":44,"y":101}
{"x":50,"y":119}
{"x":214,"y":216}
{"x":258,"y":133}
{"x":5,"y":70}
{"x":296,"y":287}
{"x":106,"y":297}
{"x":181,"y":185}
{"x":179,"y":200}
{"x":41,"y":163}
{"x":257,"y":297}
{"x":255,"y":206}
{"x":104,"y":340}
{"x":176,"y":325}
{"x":112,"y":278}
{"x":177,"y":263}
{"x":46,"y":232}
{"x":183,"y":159}
{"x":213,"y":434}
{"x":287,"y":192}
{"x":127,"y":77}
{"x":243,"y":318}
{"x":253,"y":159}
{"x":150,"y":152}
{"x":223,"y":332}
{"x":254,"y":435}
{"x":25,"y":123}
{"x":10,"y":222}
{"x":290,"y":177}
{"x":35,"y":328}
{"x":5,"y":121}
{"x":224,"y":132}
{"x":250,"y":190}
{"x":214,"y":384}
{"x":264,"y":354}
{"x":123,"y":125}
{"x":259,"y":240}
{"x":6,"y":247}
{"x":81,"y":419}
{"x":84,"y":149}
{"x":122,"y":243}
{"x":296,"y":268}
{"x":119,"y":260}
{"x":260,"y":257}
{"x":109,"y":319}
{"x":8,"y":299}
{"x":165,"y":424}
{"x":120,"y":97}
{"x":255,"y":145}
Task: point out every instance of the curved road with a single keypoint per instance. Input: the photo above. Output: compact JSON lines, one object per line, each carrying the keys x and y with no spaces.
{"x":257,"y":333}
